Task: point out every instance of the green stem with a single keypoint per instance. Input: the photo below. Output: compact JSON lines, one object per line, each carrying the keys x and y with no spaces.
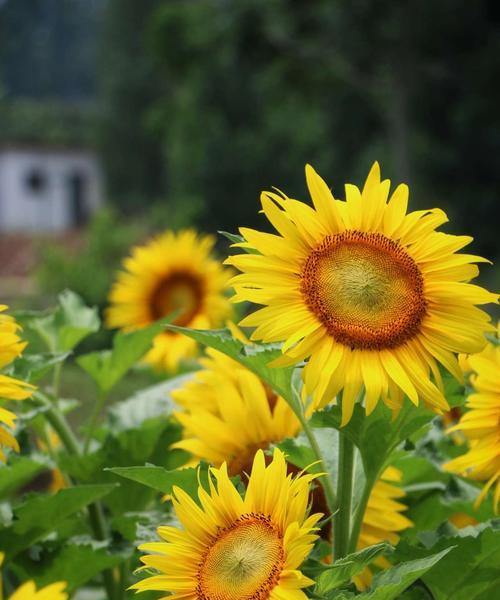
{"x":360,"y":513}
{"x":326,"y":481}
{"x":342,"y":519}
{"x":94,"y":417}
{"x":73,"y":447}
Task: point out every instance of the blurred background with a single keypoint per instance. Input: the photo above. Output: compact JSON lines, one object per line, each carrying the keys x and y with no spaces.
{"x":119,"y":118}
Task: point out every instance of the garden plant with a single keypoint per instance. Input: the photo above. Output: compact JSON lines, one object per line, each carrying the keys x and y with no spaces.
{"x":325,"y":422}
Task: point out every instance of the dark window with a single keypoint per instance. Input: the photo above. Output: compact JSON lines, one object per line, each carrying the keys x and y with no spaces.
{"x":36,"y":180}
{"x":78,"y":186}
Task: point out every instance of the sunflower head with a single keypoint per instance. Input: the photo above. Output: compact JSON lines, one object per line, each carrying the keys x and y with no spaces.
{"x":481,"y":424}
{"x":173,"y":273}
{"x":370,"y":295}
{"x":229,"y":413}
{"x":11,"y":346}
{"x":232,"y":547}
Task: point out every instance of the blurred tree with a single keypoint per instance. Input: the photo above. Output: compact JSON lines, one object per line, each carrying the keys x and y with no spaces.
{"x":129,"y":84}
{"x":257,"y":88}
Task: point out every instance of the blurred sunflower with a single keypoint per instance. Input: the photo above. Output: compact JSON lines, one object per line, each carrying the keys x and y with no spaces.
{"x":481,"y":425}
{"x":234,"y":547}
{"x":383,"y":520}
{"x":11,"y":346}
{"x":229,"y":414}
{"x":28,"y":591}
{"x":371,"y":295}
{"x":173,"y":272}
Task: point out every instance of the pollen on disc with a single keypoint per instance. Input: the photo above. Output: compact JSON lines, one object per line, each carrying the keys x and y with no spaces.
{"x":365,"y":289}
{"x":244,"y":561}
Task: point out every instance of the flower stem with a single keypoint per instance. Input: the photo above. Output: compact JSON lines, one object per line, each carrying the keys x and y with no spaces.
{"x":360,"y":513}
{"x":73,"y":447}
{"x":101,"y":399}
{"x":326,"y":481}
{"x":342,"y":519}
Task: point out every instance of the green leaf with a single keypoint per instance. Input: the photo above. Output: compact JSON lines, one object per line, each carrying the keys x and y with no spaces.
{"x":135,"y":444}
{"x":74,"y":563}
{"x":151,"y":402}
{"x":470,"y":571}
{"x":161,"y":479}
{"x":389,"y":584}
{"x":36,"y":517}
{"x":375,"y":435}
{"x":255,"y":357}
{"x":237,"y":239}
{"x":343,"y":570}
{"x":19,"y":472}
{"x":66,"y":326}
{"x":107,"y":367}
{"x":32,"y":367}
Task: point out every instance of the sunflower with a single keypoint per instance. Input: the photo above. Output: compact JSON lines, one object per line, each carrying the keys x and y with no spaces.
{"x":11,"y":346}
{"x":232,"y":547}
{"x":174,"y":272}
{"x":382,"y":520}
{"x":229,"y":413}
{"x":480,"y":425}
{"x":372,"y":296}
{"x":28,"y":591}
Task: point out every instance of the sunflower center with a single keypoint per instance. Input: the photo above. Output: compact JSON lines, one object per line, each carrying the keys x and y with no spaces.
{"x":244,"y":562}
{"x":365,"y":289}
{"x":178,"y":292}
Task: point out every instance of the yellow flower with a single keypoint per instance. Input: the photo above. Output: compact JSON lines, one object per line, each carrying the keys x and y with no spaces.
{"x":11,"y":346}
{"x":233,"y":547}
{"x":229,"y":413}
{"x":28,"y":591}
{"x":383,"y":520}
{"x":56,"y":480}
{"x":371,"y":295}
{"x":480,"y":425}
{"x":172,"y":272}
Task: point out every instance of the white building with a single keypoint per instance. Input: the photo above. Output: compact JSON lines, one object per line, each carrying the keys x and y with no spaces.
{"x":47,"y":189}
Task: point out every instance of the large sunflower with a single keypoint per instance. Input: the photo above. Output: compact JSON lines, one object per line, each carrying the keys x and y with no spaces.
{"x":481,"y":424}
{"x":249,"y":548}
{"x":11,"y":346}
{"x":172,"y":272}
{"x":28,"y":591}
{"x":383,"y":519}
{"x":371,"y":295}
{"x":229,"y":413}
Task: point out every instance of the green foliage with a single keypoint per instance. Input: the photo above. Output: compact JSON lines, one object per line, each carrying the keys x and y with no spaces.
{"x":107,"y":367}
{"x":65,"y":327}
{"x":37,"y":516}
{"x":255,"y":357}
{"x":161,"y":479}
{"x":343,"y":570}
{"x":20,"y":471}
{"x":388,"y":584}
{"x":470,"y":570}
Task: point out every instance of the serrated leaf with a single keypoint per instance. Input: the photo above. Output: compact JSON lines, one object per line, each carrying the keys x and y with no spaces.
{"x":32,"y":367}
{"x":73,"y":563}
{"x":161,"y":479}
{"x":36,"y":517}
{"x":107,"y":367}
{"x":151,"y":402}
{"x":471,"y":570}
{"x":343,"y":570}
{"x":375,"y":435}
{"x":255,"y":357}
{"x":389,"y":584}
{"x":64,"y":327}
